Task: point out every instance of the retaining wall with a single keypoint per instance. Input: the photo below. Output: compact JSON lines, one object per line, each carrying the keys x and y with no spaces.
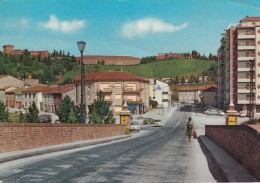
{"x":20,"y":136}
{"x":242,"y":142}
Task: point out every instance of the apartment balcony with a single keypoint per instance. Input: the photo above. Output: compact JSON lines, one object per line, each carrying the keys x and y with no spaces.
{"x":243,"y":90}
{"x":244,"y":80}
{"x":107,"y":90}
{"x":251,"y":57}
{"x":108,"y":101}
{"x":245,"y":47}
{"x":248,"y":35}
{"x":131,"y":102}
{"x":131,"y":91}
{"x":243,"y":102}
{"x":243,"y":69}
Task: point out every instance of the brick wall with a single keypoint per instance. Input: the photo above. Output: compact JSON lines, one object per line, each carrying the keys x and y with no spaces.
{"x":241,"y":142}
{"x":19,"y":136}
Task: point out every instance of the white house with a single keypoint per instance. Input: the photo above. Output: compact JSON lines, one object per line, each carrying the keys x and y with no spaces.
{"x":160,"y":92}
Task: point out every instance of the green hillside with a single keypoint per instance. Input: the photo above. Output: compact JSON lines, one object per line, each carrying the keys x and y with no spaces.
{"x":162,"y":69}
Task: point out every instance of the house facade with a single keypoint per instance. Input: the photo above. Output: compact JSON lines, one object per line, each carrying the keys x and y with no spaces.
{"x":34,"y":94}
{"x":159,"y":91}
{"x":118,"y":87}
{"x":209,"y":96}
{"x":52,"y":98}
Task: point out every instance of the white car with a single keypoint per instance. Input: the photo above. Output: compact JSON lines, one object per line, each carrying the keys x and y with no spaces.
{"x":134,"y":127}
{"x":242,"y":114}
{"x":158,"y":123}
{"x":221,"y":113}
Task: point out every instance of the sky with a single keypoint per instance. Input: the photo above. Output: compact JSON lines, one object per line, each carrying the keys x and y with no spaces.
{"x":136,"y":28}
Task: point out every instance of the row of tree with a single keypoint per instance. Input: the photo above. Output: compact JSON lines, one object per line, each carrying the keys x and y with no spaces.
{"x":197,"y":55}
{"x":30,"y":117}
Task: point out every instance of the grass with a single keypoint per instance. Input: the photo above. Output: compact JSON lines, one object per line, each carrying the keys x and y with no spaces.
{"x":159,"y":69}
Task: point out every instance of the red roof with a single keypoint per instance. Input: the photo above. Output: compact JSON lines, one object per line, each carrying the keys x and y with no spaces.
{"x":111,"y":76}
{"x":250,"y":19}
{"x":38,"y":89}
{"x":16,"y":90}
{"x":197,"y":88}
{"x":188,"y":89}
{"x":5,"y":87}
{"x":61,"y":89}
{"x":2,"y":76}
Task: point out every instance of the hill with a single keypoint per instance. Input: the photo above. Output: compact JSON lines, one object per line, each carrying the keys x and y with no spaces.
{"x":159,"y":69}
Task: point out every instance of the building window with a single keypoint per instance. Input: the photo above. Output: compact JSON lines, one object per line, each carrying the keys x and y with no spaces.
{"x":247,"y":97}
{"x":118,"y":85}
{"x":29,"y":95}
{"x":247,"y":65}
{"x":247,"y":76}
{"x":34,"y":95}
{"x":247,"y":86}
{"x":118,"y":97}
{"x":118,"y":109}
{"x":25,"y":95}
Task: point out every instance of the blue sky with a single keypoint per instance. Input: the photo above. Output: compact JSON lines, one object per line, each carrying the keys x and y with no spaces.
{"x":120,"y":27}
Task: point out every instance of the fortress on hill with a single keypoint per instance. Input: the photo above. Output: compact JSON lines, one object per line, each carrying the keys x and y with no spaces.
{"x":9,"y":49}
{"x":110,"y":60}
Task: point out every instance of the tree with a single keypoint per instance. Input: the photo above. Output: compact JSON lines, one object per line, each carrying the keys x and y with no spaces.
{"x":99,"y":112}
{"x":67,"y":112}
{"x":21,"y":117}
{"x":32,"y":116}
{"x":176,"y":81}
{"x":3,"y":112}
{"x":182,"y":80}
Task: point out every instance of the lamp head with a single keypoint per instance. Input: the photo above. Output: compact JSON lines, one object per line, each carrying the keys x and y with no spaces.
{"x":81,"y":45}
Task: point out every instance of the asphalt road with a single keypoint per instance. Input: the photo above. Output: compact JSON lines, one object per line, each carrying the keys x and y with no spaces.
{"x":162,"y":155}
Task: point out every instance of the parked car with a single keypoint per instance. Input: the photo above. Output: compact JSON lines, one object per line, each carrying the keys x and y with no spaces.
{"x":207,"y":111}
{"x":158,"y":123}
{"x":242,"y":114}
{"x":134,"y":127}
{"x":221,"y":113}
{"x":213,"y":112}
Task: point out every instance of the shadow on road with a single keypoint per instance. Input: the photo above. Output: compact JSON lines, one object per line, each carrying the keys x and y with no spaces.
{"x":213,"y":168}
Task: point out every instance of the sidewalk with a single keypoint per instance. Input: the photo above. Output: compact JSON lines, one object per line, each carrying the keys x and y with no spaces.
{"x":14,"y":155}
{"x":230,"y":168}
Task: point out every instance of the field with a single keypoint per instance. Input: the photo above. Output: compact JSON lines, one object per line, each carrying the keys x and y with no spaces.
{"x":162,"y":69}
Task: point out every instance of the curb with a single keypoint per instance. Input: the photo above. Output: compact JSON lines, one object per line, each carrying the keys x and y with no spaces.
{"x":10,"y":156}
{"x":230,"y":168}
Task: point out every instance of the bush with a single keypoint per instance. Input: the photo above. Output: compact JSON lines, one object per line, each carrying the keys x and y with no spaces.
{"x":149,"y":121}
{"x":153,"y":103}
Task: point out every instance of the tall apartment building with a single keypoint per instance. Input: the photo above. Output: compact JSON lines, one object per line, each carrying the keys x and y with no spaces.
{"x":240,"y":45}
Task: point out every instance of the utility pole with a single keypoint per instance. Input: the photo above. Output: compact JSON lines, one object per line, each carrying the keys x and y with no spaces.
{"x":252,"y":94}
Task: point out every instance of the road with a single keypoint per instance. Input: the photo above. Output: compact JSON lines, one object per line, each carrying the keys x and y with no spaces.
{"x":158,"y":155}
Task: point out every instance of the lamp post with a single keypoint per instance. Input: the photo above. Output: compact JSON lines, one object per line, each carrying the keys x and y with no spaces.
{"x":82,"y":117}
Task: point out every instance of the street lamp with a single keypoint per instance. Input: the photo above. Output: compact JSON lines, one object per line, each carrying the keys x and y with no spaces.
{"x":82,"y":117}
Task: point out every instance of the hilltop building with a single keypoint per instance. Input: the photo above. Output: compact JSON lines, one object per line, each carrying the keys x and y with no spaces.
{"x":110,"y":60}
{"x":118,"y":87}
{"x":9,"y":49}
{"x":240,"y":45}
{"x":163,"y":56}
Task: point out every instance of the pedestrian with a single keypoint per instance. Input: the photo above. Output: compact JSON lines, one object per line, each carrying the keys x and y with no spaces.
{"x":189,"y":129}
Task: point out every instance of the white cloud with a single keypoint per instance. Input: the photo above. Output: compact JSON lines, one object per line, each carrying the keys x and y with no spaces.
{"x":143,"y":26}
{"x":64,"y":26}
